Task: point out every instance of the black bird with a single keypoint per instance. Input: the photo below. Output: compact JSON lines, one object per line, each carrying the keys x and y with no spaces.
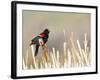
{"x":40,"y":40}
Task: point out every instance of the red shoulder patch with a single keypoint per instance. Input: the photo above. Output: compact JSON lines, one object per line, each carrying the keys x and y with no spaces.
{"x":33,"y":35}
{"x":42,"y":35}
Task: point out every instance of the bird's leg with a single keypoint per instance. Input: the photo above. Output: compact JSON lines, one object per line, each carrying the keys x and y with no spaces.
{"x":44,"y":46}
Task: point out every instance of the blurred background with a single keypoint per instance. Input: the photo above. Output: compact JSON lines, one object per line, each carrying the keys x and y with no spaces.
{"x":60,"y":24}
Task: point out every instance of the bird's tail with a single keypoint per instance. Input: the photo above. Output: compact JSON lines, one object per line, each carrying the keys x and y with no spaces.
{"x":30,"y":43}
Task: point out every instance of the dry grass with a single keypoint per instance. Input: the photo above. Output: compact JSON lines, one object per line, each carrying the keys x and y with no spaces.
{"x":71,"y":57}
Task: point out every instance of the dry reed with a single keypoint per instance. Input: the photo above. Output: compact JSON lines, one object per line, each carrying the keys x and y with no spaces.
{"x":71,"y":57}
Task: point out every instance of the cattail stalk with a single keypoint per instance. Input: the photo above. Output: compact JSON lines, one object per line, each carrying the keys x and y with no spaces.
{"x":34,"y":60}
{"x":54,"y":56}
{"x":58,"y":63}
{"x":80,"y":51}
{"x":71,"y":57}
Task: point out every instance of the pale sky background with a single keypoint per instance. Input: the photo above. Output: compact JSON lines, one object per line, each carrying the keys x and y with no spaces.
{"x":34,"y":22}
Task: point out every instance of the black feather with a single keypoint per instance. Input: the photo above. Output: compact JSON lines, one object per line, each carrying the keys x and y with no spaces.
{"x":35,"y":41}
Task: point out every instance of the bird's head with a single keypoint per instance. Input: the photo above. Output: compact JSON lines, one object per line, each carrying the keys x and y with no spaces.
{"x":47,"y":31}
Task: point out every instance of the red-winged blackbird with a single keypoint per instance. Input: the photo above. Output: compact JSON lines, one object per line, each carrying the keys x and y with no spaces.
{"x":40,"y":40}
